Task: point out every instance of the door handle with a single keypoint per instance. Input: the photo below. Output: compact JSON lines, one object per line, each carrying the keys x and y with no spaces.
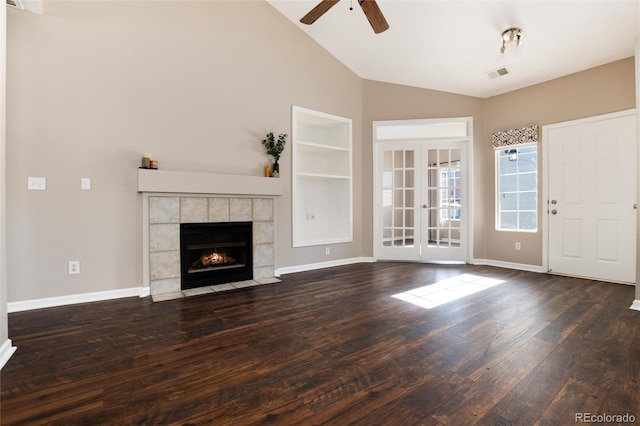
{"x":554,"y":211}
{"x":424,"y":206}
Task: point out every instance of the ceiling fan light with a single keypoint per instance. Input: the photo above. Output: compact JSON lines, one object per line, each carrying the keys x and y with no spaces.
{"x":511,"y":37}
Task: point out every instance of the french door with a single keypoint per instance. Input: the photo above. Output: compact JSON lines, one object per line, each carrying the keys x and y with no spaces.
{"x":420,"y":198}
{"x":592,"y":197}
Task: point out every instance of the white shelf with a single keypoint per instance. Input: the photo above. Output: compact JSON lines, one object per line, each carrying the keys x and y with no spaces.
{"x":322,"y":178}
{"x":319,"y":148}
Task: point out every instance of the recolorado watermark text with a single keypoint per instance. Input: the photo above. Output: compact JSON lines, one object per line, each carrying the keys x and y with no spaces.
{"x":604,"y":418}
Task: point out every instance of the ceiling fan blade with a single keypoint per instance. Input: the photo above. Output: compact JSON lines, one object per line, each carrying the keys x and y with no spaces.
{"x":374,"y":15}
{"x":318,"y":11}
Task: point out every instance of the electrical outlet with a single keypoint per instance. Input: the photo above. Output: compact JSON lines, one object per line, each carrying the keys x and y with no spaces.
{"x":327,"y":251}
{"x":85,"y":184}
{"x":36,"y":183}
{"x":74,"y":267}
{"x":518,"y":246}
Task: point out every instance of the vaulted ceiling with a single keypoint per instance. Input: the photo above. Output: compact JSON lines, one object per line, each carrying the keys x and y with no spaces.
{"x":451,"y":45}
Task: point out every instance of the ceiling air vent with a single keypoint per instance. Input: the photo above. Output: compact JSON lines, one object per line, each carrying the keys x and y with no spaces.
{"x":33,"y":6}
{"x":495,"y":73}
{"x":15,"y":3}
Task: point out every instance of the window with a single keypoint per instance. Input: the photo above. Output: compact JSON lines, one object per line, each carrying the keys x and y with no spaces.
{"x":450,"y":194}
{"x":517,"y":182}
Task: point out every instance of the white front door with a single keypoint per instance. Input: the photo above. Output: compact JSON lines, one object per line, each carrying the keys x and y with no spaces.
{"x":592,"y":195}
{"x":420,"y":201}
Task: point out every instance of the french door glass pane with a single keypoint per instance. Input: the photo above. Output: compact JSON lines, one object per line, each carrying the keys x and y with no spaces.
{"x":408,"y":198}
{"x":386,"y":217}
{"x":408,"y":178}
{"x":444,"y":197}
{"x":398,"y":197}
{"x":387,"y":179}
{"x":398,"y":159}
{"x":408,"y":159}
{"x":398,"y":194}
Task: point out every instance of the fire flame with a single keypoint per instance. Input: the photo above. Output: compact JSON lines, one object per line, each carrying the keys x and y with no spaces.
{"x":213,"y":258}
{"x":210,"y":259}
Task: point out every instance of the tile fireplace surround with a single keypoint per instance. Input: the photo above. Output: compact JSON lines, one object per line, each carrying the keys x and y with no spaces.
{"x":167,"y":204}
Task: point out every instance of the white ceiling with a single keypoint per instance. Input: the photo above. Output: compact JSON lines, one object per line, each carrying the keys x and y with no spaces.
{"x":450,"y":45}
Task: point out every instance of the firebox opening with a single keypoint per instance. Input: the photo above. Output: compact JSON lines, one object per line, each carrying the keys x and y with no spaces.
{"x":215,"y":253}
{"x":213,"y":259}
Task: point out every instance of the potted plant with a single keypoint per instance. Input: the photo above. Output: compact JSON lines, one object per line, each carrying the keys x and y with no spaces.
{"x":274,"y":148}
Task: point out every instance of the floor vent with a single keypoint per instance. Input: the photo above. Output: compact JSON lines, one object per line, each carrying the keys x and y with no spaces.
{"x":498,"y":72}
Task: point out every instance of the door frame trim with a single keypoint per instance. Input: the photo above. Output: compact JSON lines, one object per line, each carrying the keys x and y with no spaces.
{"x":545,"y":167}
{"x":468,"y":178}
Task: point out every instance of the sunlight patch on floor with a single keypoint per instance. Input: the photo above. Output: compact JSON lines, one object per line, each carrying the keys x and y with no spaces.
{"x":447,"y":290}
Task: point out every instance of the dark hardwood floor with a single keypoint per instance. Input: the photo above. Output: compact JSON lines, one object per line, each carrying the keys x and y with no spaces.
{"x":334,"y":347}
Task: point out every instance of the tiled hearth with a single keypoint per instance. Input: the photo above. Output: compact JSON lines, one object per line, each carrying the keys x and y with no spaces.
{"x":167,"y":212}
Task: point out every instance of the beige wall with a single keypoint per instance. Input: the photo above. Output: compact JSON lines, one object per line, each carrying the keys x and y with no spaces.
{"x":94,"y":85}
{"x":599,"y":90}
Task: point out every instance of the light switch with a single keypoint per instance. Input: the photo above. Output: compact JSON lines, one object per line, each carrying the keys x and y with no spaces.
{"x":85,"y":184}
{"x":36,"y":183}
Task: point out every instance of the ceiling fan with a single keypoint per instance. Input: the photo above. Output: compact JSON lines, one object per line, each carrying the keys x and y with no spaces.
{"x":369,"y":7}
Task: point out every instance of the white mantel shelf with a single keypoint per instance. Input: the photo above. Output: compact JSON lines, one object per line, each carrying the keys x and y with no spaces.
{"x":170,"y":181}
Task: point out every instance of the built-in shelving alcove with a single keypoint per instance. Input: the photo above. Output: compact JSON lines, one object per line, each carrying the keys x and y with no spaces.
{"x":322,"y":178}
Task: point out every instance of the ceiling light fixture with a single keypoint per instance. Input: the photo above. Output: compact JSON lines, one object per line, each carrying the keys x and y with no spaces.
{"x":511,"y":37}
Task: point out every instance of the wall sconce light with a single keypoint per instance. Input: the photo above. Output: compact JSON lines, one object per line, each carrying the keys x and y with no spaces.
{"x":513,"y":154}
{"x":511,"y":37}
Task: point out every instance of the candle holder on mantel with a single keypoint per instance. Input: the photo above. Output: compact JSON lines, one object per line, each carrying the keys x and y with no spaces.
{"x":148,"y":163}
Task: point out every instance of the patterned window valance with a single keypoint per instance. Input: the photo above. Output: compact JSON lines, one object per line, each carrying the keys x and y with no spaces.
{"x":515,"y":137}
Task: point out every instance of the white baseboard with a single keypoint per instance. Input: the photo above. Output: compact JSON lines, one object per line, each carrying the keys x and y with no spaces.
{"x":321,"y":265}
{"x":635,"y":305}
{"x":27,"y":305}
{"x":332,"y":263}
{"x":509,"y":265}
{"x":49,"y":302}
{"x":6,"y":350}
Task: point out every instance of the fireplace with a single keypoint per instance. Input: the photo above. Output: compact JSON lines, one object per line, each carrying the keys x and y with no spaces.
{"x":164,"y":213}
{"x":215,"y":253}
